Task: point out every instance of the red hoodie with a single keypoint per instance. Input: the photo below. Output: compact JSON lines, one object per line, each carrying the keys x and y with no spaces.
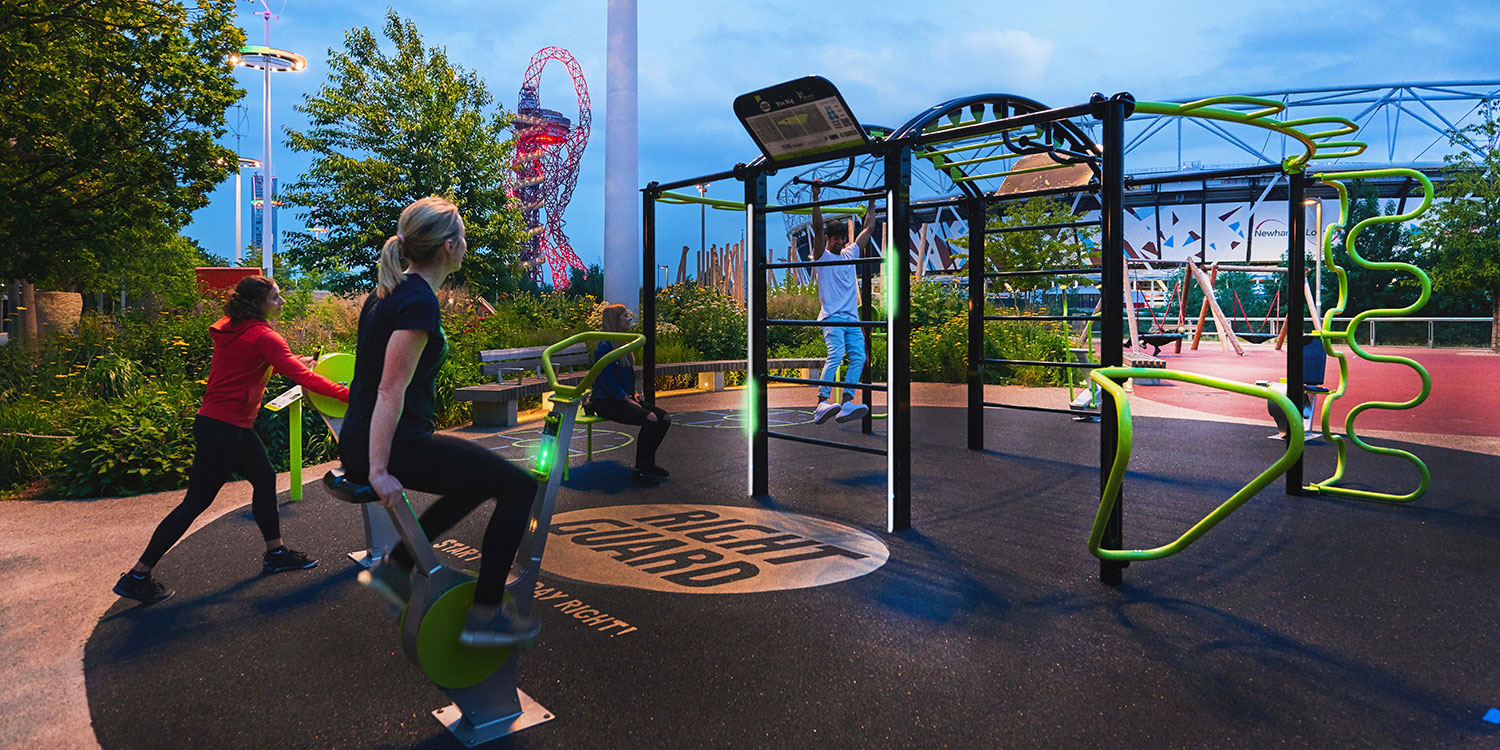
{"x":245,"y":353}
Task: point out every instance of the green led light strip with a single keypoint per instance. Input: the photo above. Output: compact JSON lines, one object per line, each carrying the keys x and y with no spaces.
{"x":1106,"y":378}
{"x":1329,"y":334}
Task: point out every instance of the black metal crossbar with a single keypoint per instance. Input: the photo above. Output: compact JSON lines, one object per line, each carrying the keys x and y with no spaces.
{"x":1042,"y":317}
{"x":1219,"y":174}
{"x":826,"y":443}
{"x":829,"y":323}
{"x":1048,"y":409}
{"x":1040,"y":227}
{"x":660,"y":187}
{"x":852,"y":198}
{"x":1040,"y":363}
{"x":1044,"y":272}
{"x":1091,"y":188}
{"x":868,"y":260}
{"x":829,"y":383}
{"x":995,"y":126}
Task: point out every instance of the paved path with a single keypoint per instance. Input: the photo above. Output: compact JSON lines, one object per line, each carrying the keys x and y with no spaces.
{"x":62,"y":557}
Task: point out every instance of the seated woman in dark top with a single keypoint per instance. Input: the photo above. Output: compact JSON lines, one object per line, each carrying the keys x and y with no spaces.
{"x":616,"y":399}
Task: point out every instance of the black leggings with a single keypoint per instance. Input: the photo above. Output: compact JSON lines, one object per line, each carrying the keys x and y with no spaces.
{"x":630,"y":411}
{"x":222,"y":449}
{"x":465,"y":475}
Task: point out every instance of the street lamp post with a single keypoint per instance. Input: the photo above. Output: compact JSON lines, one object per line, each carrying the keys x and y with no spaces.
{"x":269,"y":60}
{"x":1317,"y":254}
{"x":239,"y":242}
{"x":702,"y":218}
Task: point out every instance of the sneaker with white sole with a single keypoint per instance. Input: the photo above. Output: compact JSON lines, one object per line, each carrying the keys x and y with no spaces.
{"x":851,"y":411}
{"x":824,"y":412}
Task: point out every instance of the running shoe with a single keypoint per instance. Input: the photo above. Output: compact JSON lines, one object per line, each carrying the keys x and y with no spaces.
{"x":144,"y":589}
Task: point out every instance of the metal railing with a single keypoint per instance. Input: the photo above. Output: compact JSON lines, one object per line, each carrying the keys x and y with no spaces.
{"x":1410,"y":331}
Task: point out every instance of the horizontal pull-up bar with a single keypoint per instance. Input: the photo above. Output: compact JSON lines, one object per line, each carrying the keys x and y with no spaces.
{"x":1040,"y":227}
{"x":1048,"y":409}
{"x":825,"y":443}
{"x":998,"y":197}
{"x":1040,"y":363}
{"x":659,"y":187}
{"x":1044,"y":272}
{"x":829,"y":383}
{"x":727,"y":205}
{"x":868,"y":260}
{"x":1219,"y":174}
{"x":991,"y":175}
{"x":1220,"y":266}
{"x":828,"y":323}
{"x":860,"y":196}
{"x":1044,"y":317}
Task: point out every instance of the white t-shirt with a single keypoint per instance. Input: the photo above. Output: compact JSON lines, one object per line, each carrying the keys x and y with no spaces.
{"x":838,"y":290}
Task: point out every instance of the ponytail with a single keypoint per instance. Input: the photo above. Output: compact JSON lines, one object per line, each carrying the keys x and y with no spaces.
{"x":425,"y":225}
{"x":390,"y":266}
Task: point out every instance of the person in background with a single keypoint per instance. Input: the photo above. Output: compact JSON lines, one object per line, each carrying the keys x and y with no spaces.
{"x":616,"y":399}
{"x":838,"y":298}
{"x":246,"y":351}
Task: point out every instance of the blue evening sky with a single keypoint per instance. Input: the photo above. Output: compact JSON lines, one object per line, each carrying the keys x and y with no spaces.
{"x":891,"y":60}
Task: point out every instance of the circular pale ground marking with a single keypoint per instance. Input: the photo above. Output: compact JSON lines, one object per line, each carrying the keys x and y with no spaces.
{"x":735,"y":418}
{"x":521,"y":444}
{"x":707,"y":549}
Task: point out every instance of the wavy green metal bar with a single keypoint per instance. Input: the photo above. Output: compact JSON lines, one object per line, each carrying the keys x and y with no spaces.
{"x":633,"y":341}
{"x":1329,"y":334}
{"x":1106,"y":378}
{"x":1315,"y":145}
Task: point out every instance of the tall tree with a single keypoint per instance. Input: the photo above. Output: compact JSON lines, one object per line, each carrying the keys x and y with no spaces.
{"x":386,"y":130}
{"x":1463,"y":233}
{"x":112,"y":109}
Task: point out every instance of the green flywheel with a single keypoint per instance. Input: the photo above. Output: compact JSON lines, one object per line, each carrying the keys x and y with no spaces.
{"x":442,"y":658}
{"x":338,"y":367}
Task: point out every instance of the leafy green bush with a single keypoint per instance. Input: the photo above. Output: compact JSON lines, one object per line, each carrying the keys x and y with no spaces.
{"x":140,"y":443}
{"x":710,"y":321}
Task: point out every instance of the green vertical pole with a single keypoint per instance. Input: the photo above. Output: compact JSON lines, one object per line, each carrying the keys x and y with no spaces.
{"x":295,"y":416}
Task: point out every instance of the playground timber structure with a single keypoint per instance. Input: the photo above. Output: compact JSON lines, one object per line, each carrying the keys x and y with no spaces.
{"x":1065,"y":162}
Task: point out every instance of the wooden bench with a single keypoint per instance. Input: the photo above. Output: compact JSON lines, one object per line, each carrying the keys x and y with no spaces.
{"x":496,"y":404}
{"x":1137,"y":359}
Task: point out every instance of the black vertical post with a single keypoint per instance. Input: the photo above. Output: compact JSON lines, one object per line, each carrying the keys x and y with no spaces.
{"x":648,"y":298}
{"x":897,"y":285}
{"x":1112,"y":309}
{"x":977,"y":297}
{"x":755,"y":267}
{"x":1296,"y":274}
{"x":867,"y":312}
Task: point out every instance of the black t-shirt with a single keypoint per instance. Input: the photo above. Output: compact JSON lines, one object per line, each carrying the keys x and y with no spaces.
{"x":410,"y":307}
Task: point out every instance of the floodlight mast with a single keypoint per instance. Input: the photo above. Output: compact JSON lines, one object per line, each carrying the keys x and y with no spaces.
{"x":267,"y":59}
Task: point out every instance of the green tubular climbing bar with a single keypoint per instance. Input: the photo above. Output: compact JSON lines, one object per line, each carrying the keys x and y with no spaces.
{"x":1315,"y":144}
{"x":1329,"y":334}
{"x":1108,"y":378}
{"x":632,"y":341}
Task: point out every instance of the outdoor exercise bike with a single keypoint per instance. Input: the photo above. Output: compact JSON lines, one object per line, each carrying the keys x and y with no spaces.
{"x":487,"y":704}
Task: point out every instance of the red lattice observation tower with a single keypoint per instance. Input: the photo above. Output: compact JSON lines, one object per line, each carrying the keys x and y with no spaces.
{"x":544,"y":167}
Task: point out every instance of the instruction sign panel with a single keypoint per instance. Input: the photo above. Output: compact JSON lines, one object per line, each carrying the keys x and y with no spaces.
{"x":802,"y":118}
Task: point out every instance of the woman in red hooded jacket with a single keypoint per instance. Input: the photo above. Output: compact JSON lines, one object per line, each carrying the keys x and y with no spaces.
{"x":246,"y":351}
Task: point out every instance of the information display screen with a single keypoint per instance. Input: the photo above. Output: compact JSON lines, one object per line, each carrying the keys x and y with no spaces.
{"x":803,"y":118}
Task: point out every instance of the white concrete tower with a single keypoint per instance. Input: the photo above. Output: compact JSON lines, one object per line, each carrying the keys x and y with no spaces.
{"x":622,"y":197}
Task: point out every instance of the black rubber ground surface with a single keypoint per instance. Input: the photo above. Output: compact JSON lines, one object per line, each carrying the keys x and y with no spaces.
{"x":1300,"y":621}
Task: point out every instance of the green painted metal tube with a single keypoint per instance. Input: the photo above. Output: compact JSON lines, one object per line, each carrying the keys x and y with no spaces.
{"x":1107,"y":378}
{"x":295,"y":415}
{"x":1024,"y":170}
{"x":723,"y":205}
{"x":633,"y":341}
{"x":1329,"y":334}
{"x":1315,"y":145}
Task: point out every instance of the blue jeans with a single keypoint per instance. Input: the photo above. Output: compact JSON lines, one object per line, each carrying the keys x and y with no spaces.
{"x":842,"y":341}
